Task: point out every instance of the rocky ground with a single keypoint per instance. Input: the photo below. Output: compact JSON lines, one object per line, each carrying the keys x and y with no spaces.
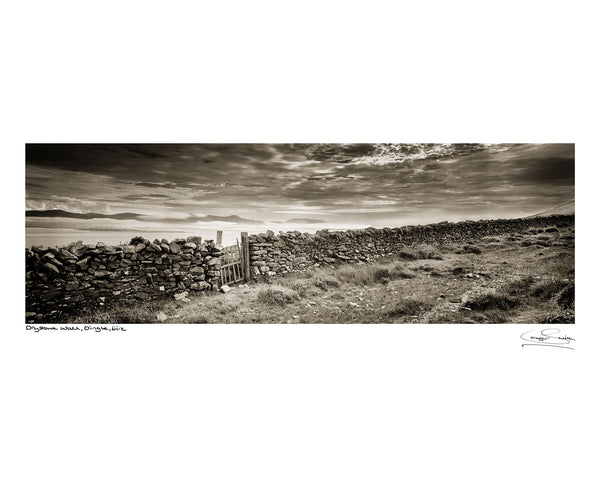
{"x":513,"y":278}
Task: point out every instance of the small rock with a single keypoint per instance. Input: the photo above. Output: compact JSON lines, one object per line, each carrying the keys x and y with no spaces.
{"x":225,"y":289}
{"x":182,"y":296}
{"x":161,"y":316}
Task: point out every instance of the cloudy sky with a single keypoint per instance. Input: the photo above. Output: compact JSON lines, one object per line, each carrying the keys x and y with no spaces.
{"x":368,"y":184}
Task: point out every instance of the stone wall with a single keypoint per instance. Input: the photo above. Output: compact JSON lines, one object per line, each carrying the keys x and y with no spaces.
{"x":69,"y":279}
{"x":272,"y":254}
{"x":78,"y":276}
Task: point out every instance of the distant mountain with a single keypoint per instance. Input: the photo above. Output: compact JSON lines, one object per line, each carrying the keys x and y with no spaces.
{"x":224,"y":218}
{"x":304,"y":221}
{"x":567,"y":208}
{"x":89,"y":215}
{"x":134,"y":216}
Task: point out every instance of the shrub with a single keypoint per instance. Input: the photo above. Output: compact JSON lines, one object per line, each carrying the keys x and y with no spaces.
{"x":566,"y":299}
{"x":382,"y":274}
{"x":408,"y":254}
{"x":408,"y":307}
{"x":564,"y":317}
{"x":457,"y":271}
{"x":471,"y":249}
{"x":501,"y":301}
{"x":421,"y":252}
{"x":327,"y":282}
{"x":276,"y":295}
{"x":518,"y":287}
{"x":398,"y":271}
{"x":299,"y":285}
{"x":547,"y":289}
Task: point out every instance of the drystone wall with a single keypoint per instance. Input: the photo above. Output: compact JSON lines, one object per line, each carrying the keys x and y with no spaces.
{"x":291,"y":251}
{"x":69,"y":279}
{"x":78,"y":276}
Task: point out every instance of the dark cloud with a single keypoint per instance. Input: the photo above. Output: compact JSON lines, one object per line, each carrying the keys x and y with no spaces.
{"x":335,"y":182}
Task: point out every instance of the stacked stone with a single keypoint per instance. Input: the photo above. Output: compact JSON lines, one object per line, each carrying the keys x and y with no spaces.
{"x":77,"y":276}
{"x":291,"y":251}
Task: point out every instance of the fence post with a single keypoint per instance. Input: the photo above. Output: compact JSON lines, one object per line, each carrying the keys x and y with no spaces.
{"x":219,"y":239}
{"x":245,"y":256}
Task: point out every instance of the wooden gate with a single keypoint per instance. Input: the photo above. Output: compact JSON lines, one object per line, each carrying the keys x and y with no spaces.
{"x":234,"y":264}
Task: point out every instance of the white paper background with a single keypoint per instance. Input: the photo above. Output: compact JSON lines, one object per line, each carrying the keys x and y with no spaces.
{"x":279,"y":412}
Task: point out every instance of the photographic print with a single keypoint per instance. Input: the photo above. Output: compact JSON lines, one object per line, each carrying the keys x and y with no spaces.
{"x":300,"y":233}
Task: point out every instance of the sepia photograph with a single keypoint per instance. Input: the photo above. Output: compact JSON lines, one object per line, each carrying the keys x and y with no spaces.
{"x":300,"y":233}
{"x":313,"y":251}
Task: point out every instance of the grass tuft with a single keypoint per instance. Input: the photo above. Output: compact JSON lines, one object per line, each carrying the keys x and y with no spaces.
{"x":566,"y":299}
{"x":422,"y":252}
{"x":409,"y":307}
{"x":277,"y":295}
{"x":547,"y":289}
{"x":501,"y":301}
{"x":327,"y":282}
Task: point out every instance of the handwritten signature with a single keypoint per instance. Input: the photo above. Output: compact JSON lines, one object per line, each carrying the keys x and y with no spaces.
{"x":548,"y":337}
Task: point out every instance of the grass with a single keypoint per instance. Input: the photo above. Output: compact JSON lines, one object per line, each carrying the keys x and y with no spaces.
{"x":409,"y":307}
{"x":500,"y":301}
{"x":420,"y":252}
{"x":276,"y":295}
{"x":500,"y":283}
{"x":566,"y":298}
{"x":469,"y":249}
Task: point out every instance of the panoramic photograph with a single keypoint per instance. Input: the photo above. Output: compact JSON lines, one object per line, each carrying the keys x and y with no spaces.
{"x":300,"y":233}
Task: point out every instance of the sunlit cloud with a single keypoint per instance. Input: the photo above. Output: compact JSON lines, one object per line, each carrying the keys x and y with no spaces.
{"x":340,"y":183}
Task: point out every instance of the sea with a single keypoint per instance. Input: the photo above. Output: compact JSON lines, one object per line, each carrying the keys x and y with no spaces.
{"x":60,"y":236}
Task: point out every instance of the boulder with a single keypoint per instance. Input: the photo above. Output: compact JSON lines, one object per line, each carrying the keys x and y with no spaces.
{"x":51,"y":267}
{"x":182,"y":297}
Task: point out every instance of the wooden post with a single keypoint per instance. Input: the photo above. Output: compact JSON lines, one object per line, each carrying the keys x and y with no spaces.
{"x":245,"y":254}
{"x":219,"y":239}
